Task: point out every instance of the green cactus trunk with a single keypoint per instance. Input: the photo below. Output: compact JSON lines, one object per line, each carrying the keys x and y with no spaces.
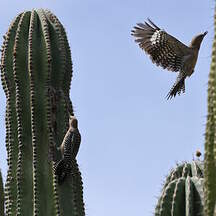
{"x":182,"y":194}
{"x":36,"y":74}
{"x":1,"y":195}
{"x":210,"y":138}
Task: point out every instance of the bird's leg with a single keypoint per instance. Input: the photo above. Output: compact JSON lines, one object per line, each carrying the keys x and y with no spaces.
{"x":178,"y":87}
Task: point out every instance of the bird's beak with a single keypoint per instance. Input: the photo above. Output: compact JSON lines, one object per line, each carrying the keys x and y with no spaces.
{"x":205,"y":33}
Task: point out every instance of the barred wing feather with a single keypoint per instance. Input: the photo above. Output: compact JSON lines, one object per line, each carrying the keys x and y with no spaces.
{"x":164,"y":50}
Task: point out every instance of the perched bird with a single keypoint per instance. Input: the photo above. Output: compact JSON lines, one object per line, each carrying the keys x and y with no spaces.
{"x":168,"y":52}
{"x":69,"y":149}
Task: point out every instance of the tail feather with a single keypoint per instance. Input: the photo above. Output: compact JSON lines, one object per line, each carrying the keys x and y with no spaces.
{"x":177,"y":88}
{"x":61,"y":170}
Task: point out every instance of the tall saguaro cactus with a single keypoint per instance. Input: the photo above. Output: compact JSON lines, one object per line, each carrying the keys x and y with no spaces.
{"x":36,"y":72}
{"x":210,"y":138}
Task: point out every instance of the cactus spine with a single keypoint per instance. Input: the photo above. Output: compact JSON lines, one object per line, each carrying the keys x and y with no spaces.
{"x":210,"y":138}
{"x":36,"y":72}
{"x":182,"y":193}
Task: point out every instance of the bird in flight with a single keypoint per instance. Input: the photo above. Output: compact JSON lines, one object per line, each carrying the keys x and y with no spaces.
{"x":168,"y":52}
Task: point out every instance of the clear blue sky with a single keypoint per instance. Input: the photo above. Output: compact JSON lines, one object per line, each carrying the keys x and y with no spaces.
{"x":131,"y":135}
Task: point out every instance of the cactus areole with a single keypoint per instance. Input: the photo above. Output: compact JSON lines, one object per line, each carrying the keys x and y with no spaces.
{"x":36,"y":72}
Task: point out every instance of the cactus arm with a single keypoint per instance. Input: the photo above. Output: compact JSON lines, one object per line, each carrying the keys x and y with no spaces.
{"x":210,"y":139}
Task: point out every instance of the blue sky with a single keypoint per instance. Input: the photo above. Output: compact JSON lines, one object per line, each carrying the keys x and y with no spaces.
{"x":131,"y":135}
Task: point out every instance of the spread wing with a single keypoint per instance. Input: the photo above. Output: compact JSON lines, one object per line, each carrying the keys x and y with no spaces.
{"x":164,"y":50}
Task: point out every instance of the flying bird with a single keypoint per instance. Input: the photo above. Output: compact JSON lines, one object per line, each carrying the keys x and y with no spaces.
{"x":168,"y":52}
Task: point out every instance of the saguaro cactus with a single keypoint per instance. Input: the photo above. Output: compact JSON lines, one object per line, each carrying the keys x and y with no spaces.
{"x":210,"y":138}
{"x":36,"y":71}
{"x":182,"y":193}
{"x":1,"y":195}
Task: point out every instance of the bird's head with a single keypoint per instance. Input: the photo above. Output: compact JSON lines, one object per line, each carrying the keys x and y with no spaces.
{"x":197,"y":40}
{"x":73,"y":122}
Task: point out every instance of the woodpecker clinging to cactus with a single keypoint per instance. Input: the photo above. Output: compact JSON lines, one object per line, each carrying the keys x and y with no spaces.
{"x":69,"y":149}
{"x":168,"y":52}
